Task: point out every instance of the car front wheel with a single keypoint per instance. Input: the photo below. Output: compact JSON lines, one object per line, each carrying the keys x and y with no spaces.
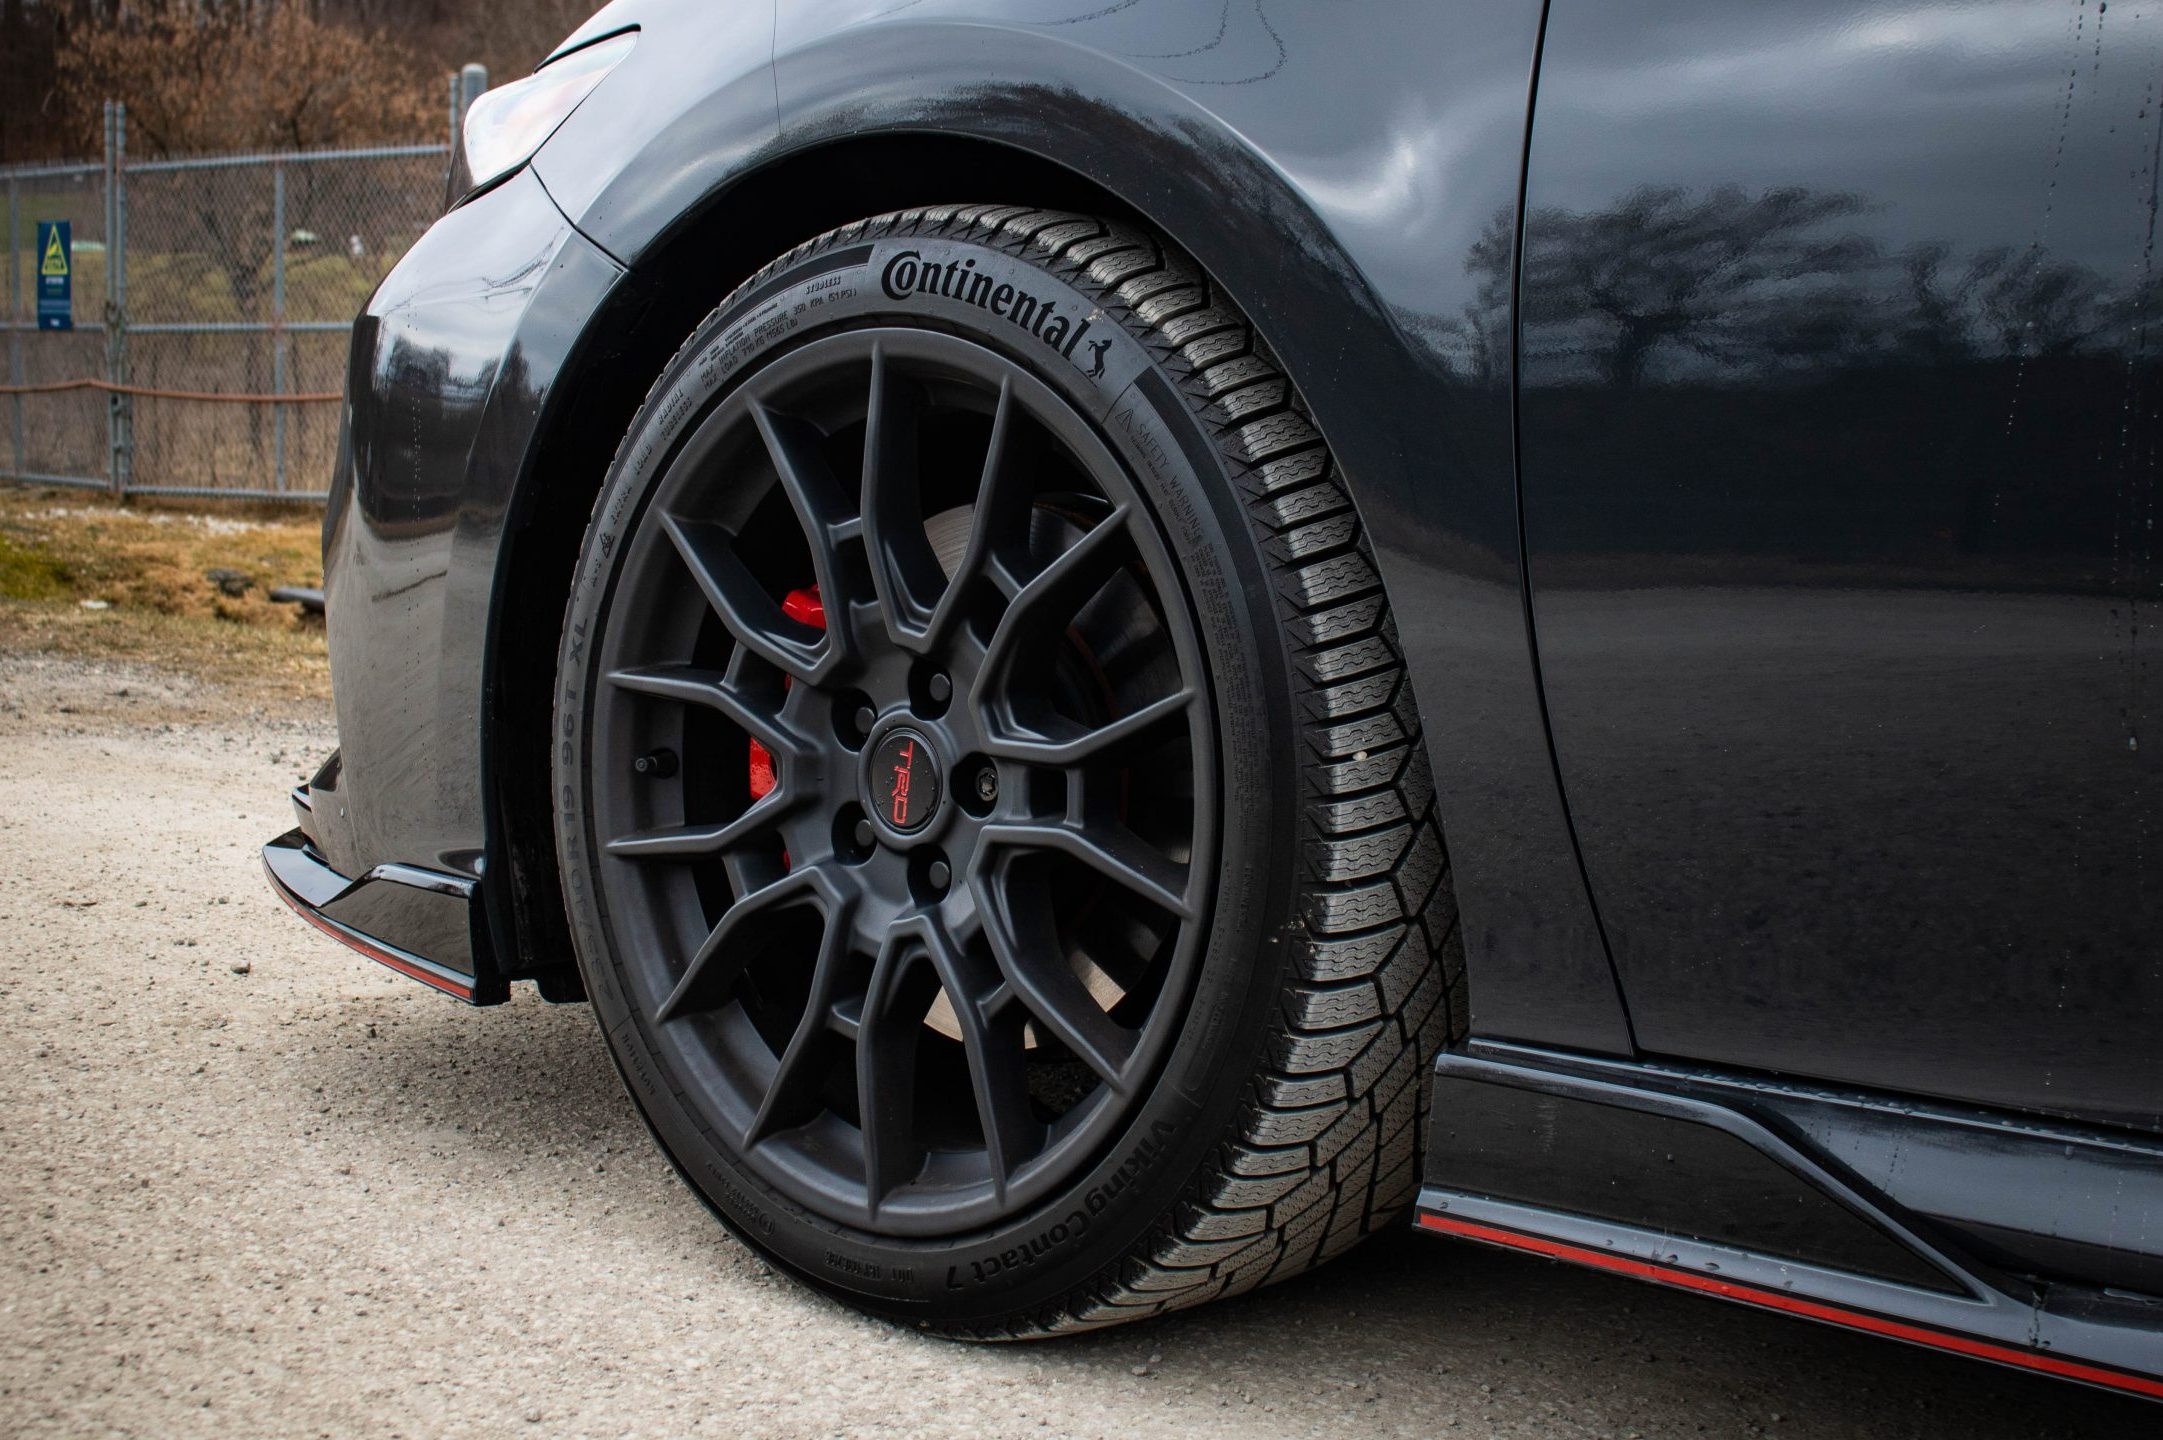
{"x":994,"y":820}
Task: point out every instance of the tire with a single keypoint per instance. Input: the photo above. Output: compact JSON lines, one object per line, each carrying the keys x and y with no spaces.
{"x":865,"y":1068}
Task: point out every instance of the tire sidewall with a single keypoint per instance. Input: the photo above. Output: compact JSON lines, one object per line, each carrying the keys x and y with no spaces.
{"x":1130,"y":388}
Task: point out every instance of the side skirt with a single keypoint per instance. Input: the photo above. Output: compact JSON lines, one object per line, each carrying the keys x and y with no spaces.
{"x":1707,"y":1197}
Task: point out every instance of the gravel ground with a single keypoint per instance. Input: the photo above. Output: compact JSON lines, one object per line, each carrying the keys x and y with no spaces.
{"x":251,"y":1184}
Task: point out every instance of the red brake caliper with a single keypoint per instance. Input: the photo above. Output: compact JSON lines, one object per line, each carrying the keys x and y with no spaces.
{"x":805,"y":608}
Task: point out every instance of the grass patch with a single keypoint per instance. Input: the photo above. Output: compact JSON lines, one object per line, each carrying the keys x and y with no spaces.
{"x":27,"y":573}
{"x":58,"y":545}
{"x":151,"y":576}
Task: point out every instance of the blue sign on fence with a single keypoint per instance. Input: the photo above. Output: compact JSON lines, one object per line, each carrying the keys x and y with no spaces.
{"x":56,"y":275}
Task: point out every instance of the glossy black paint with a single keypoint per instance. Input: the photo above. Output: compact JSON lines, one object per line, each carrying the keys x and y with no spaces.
{"x":1840,"y":405}
{"x":1840,"y":548}
{"x":418,"y":922}
{"x":412,"y":522}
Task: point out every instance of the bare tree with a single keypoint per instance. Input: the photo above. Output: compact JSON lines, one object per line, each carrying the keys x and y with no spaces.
{"x":55,"y":53}
{"x":1480,"y":336}
{"x":1732,"y":277}
{"x":235,"y":76}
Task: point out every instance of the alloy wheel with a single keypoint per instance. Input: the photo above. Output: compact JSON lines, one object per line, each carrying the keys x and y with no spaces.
{"x":905,"y":783}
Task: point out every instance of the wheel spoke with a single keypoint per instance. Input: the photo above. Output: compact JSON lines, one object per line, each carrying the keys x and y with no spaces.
{"x":1025,"y":944}
{"x":817,"y":498}
{"x":676,"y":842}
{"x":751,"y":615}
{"x":1040,"y":612}
{"x":1114,"y":852}
{"x":1002,"y":510}
{"x":994,"y":1053}
{"x":903,"y":568}
{"x":720,"y":958}
{"x":791,"y":1095}
{"x":1063,"y":743}
{"x":886,"y":1044}
{"x":690,"y":685}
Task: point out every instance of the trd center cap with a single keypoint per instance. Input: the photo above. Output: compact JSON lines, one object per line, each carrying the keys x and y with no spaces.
{"x":902,"y":776}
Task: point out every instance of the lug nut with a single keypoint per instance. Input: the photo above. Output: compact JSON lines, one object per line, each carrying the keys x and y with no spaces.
{"x":658,"y":766}
{"x":987,"y":784}
{"x":938,"y":874}
{"x":939,"y":688}
{"x":866,"y":717}
{"x":865,"y":835}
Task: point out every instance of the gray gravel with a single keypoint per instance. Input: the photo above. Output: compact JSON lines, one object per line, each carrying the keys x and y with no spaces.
{"x":251,"y":1184}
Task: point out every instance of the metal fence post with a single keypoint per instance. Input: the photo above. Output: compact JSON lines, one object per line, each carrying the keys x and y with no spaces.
{"x":119,"y":413}
{"x":117,"y":248}
{"x":277,"y":316}
{"x":15,"y":336}
{"x":472,"y":82}
{"x":112,"y":314}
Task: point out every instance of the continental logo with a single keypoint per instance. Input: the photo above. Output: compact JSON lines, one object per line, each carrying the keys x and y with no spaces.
{"x":909,"y":273}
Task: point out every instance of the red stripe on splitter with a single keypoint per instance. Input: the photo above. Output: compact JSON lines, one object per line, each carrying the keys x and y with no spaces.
{"x":1794,"y":1305}
{"x":377,"y":953}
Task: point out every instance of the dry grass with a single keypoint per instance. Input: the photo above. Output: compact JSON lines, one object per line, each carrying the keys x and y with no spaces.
{"x":87,"y":579}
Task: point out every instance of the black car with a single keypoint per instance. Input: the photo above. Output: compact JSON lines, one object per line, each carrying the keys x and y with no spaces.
{"x":1121,"y":641}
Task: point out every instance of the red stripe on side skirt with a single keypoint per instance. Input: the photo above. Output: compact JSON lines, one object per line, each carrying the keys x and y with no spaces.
{"x":1795,"y":1305}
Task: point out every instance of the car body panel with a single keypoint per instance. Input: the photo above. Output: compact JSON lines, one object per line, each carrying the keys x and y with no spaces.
{"x":427,"y":356}
{"x":689,"y":109}
{"x":1839,"y":406}
{"x":451,"y":363}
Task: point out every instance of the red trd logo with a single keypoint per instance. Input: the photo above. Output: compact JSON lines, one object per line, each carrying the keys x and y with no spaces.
{"x":901,"y":785}
{"x":906,"y":796}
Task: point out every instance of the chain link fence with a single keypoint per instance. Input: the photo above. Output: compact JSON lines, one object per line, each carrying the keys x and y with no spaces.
{"x":213,"y":300}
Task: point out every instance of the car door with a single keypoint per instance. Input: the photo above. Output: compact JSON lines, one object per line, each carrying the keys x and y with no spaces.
{"x":1839,"y":429}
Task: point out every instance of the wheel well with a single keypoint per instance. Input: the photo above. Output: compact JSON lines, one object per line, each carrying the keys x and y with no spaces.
{"x":675,"y":285}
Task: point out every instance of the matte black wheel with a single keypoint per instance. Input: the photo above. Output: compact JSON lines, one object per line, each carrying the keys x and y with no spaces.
{"x":950,"y":840}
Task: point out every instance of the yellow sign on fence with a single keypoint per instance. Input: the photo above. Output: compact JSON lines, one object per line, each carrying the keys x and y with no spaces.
{"x":56,"y":286}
